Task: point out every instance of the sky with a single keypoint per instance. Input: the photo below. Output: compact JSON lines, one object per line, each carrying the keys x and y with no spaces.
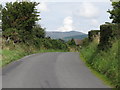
{"x":72,"y":15}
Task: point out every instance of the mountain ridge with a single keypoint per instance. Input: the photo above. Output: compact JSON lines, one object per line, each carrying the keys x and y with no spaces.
{"x":64,"y":35}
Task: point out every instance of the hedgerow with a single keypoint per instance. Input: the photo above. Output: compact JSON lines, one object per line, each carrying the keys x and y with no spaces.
{"x":92,"y":34}
{"x":108,"y":33}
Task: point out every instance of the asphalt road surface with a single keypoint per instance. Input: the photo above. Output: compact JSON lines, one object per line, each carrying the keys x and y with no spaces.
{"x":50,"y":70}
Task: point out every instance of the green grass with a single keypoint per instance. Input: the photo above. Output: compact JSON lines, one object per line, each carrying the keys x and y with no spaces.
{"x":104,"y":62}
{"x":105,"y":80}
{"x":19,"y":51}
{"x":11,"y":55}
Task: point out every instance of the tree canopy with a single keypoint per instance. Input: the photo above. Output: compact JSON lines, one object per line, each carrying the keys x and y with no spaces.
{"x":115,"y":12}
{"x":20,"y":15}
{"x":19,"y":18}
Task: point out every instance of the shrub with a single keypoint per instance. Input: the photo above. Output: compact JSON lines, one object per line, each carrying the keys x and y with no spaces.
{"x":108,"y":32}
{"x":85,"y":42}
{"x":92,"y":34}
{"x":38,"y":31}
{"x":54,"y":44}
{"x":71,"y":42}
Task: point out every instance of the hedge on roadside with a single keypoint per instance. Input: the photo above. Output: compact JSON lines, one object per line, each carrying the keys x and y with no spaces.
{"x":108,"y":32}
{"x":92,"y":34}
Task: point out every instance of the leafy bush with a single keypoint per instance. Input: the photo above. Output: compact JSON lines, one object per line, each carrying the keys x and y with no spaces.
{"x":18,"y":19}
{"x":71,"y":42}
{"x":92,"y":34}
{"x":54,"y":44}
{"x":115,"y":12}
{"x":11,"y":53}
{"x":85,"y":42}
{"x":11,"y":33}
{"x":108,"y":32}
{"x":20,"y":15}
{"x":38,"y":31}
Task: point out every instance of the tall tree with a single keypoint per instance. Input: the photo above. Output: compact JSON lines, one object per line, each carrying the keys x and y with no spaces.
{"x":115,"y":12}
{"x":0,"y":17}
{"x":0,"y":11}
{"x":21,"y":16}
{"x":38,"y":31}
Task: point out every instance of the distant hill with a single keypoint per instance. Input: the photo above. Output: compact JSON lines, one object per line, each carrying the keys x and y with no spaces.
{"x":75,"y":37}
{"x":66,"y":35}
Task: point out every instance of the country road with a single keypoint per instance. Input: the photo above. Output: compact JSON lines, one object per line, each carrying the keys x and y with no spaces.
{"x":50,"y":70}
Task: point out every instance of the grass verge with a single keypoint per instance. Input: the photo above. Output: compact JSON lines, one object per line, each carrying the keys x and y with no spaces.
{"x":103,"y":62}
{"x":105,"y":80}
{"x":10,"y":53}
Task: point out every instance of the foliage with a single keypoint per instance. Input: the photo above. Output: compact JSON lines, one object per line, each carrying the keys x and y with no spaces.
{"x":21,"y":16}
{"x":12,"y":53}
{"x":92,"y":34}
{"x":11,"y":33}
{"x":22,"y":36}
{"x":115,"y":12}
{"x":19,"y":25}
{"x":38,"y":31}
{"x":54,"y":44}
{"x":104,"y":57}
{"x":108,"y":32}
{"x":71,"y":42}
{"x":85,"y":42}
{"x":116,"y":31}
{"x":0,"y":18}
{"x":0,"y":12}
{"x":105,"y":62}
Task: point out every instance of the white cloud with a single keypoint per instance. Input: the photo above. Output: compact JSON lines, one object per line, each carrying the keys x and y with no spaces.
{"x":67,"y":25}
{"x":88,"y":10}
{"x":94,"y":22}
{"x":42,"y":7}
